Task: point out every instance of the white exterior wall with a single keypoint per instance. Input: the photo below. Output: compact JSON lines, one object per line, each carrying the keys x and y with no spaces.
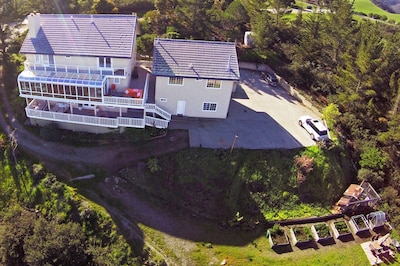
{"x":194,"y":93}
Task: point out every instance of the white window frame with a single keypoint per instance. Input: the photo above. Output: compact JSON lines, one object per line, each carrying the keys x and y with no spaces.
{"x":44,"y":59}
{"x":102,"y":61}
{"x":213,"y":84}
{"x":209,"y":107}
{"x":176,"y":81}
{"x":38,"y":59}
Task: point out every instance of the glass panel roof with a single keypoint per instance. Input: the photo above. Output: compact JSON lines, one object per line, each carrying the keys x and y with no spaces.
{"x":62,"y":78}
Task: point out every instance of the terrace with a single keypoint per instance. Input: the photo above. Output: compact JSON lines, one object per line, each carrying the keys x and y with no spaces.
{"x":113,"y":110}
{"x":47,"y":70}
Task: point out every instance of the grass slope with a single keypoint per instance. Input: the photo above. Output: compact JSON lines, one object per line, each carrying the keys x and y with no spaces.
{"x":219,"y":185}
{"x":367,"y":7}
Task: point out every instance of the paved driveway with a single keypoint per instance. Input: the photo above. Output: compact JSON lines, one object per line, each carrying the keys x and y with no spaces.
{"x":263,"y":117}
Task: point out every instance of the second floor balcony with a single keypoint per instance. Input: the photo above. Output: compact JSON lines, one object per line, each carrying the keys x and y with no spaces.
{"x":45,"y":70}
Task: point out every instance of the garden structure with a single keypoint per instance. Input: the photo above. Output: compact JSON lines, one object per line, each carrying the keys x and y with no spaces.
{"x":358,"y":196}
{"x":301,"y":235}
{"x":377,"y":220}
{"x":277,"y":237}
{"x":321,"y":232}
{"x":340,"y":229}
{"x":359,"y":224}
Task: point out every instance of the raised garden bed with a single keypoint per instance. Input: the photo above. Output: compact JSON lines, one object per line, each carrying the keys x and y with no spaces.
{"x":321,"y":232}
{"x":359,"y":223}
{"x":340,"y":229}
{"x":301,"y":234}
{"x":277,"y":237}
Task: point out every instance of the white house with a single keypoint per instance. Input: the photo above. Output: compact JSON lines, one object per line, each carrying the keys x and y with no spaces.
{"x":78,"y":74}
{"x":195,"y":78}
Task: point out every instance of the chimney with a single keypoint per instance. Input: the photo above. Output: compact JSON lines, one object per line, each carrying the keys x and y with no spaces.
{"x":33,"y":24}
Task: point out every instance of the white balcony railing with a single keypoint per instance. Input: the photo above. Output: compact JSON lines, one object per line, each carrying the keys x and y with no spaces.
{"x":86,"y":120}
{"x":155,"y":109}
{"x":123,"y":101}
{"x":74,"y":69}
{"x":156,"y":122}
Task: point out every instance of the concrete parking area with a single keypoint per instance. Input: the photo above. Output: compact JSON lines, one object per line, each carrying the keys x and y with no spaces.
{"x":261,"y":116}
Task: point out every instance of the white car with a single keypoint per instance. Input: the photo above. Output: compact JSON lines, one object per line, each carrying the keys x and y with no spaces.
{"x":314,"y":127}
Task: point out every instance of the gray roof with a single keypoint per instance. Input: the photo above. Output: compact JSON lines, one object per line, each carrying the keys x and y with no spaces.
{"x":196,"y":59}
{"x":83,"y":35}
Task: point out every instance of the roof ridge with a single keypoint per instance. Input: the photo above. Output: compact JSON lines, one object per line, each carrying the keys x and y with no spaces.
{"x":198,"y":41}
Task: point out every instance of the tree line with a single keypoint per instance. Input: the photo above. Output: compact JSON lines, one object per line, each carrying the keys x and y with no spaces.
{"x":346,"y":64}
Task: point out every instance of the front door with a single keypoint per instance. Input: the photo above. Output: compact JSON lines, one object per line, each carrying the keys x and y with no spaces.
{"x":180,"y":108}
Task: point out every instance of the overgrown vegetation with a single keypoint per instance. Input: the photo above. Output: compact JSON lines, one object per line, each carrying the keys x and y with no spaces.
{"x":244,"y":187}
{"x":43,"y":221}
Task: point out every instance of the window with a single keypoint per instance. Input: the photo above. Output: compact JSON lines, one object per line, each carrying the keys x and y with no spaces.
{"x":175,"y":81}
{"x":105,"y":62}
{"x":163,"y":100}
{"x":117,"y":80}
{"x":211,"y":107}
{"x":38,"y":59}
{"x":214,"y":83}
{"x":44,"y":59}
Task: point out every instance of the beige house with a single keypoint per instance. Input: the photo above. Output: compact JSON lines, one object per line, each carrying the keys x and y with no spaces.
{"x":195,"y":78}
{"x":78,"y":74}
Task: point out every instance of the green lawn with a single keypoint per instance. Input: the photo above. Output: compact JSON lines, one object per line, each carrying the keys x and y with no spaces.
{"x":361,"y":6}
{"x":367,"y":7}
{"x":259,"y":253}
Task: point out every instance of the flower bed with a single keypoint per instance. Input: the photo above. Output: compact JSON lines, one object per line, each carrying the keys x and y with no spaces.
{"x":277,"y":236}
{"x":340,"y":228}
{"x":301,"y":234}
{"x":322,"y":231}
{"x":360,"y":221}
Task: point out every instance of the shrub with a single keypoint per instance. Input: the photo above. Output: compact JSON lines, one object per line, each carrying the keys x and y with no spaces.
{"x":373,"y":158}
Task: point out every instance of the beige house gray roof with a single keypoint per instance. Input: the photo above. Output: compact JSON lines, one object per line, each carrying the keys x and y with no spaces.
{"x":195,"y":59}
{"x":83,"y":35}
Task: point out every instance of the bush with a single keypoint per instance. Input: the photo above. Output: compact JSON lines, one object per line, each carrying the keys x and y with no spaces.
{"x":373,"y":158}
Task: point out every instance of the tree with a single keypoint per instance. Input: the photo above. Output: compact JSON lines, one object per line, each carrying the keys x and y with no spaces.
{"x":194,"y":18}
{"x":164,"y":15}
{"x":280,"y":7}
{"x":14,"y":229}
{"x":104,"y":7}
{"x":55,"y":244}
{"x":7,"y":15}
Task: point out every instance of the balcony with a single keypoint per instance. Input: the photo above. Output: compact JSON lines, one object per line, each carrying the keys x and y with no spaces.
{"x":46,"y":70}
{"x":99,"y":116}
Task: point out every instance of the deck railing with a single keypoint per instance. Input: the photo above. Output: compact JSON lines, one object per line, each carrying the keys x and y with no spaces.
{"x":150,"y":107}
{"x":156,"y":122}
{"x":85,"y":119}
{"x":74,"y":69}
{"x":123,"y":101}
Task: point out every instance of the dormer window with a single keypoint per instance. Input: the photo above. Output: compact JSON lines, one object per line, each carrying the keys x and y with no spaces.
{"x":104,"y":62}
